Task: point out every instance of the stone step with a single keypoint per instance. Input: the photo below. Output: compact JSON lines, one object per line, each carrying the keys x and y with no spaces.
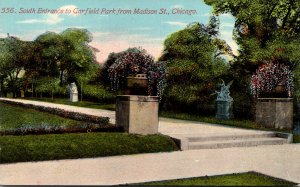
{"x":217,"y":144}
{"x":231,"y":137}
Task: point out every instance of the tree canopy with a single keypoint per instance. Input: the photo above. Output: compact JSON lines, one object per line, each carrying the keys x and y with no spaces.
{"x":51,"y":58}
{"x":195,"y":63}
{"x":264,"y":30}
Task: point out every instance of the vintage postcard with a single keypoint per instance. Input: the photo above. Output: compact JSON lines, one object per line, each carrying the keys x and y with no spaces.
{"x":150,"y":92}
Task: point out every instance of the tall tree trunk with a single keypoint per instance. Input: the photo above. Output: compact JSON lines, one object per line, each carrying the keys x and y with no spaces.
{"x":61,"y":77}
{"x":81,"y":89}
{"x":31,"y":90}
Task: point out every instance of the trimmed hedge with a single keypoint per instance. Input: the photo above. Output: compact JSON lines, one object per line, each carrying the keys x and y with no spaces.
{"x":63,"y":113}
{"x":79,"y":145}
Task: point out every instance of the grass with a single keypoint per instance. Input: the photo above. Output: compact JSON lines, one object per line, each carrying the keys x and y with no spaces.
{"x":13,"y":117}
{"x":241,"y":179}
{"x":79,"y":145}
{"x":86,"y":104}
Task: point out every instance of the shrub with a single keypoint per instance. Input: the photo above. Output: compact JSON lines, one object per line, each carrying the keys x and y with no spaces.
{"x":270,"y":75}
{"x":98,"y":93}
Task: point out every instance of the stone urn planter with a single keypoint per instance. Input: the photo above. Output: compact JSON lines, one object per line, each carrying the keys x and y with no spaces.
{"x":137,"y":85}
{"x":137,"y":114}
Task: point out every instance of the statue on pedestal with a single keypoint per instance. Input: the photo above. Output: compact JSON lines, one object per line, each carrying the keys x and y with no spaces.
{"x":72,"y":88}
{"x":224,"y":102}
{"x":224,"y":93}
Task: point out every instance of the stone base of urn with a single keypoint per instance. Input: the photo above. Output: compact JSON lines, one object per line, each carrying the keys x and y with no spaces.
{"x":275,"y":112}
{"x":224,"y":110}
{"x":137,"y":114}
{"x":73,"y":97}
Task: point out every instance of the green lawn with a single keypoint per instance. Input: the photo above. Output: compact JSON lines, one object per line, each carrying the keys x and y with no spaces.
{"x":242,"y":179}
{"x":63,"y":146}
{"x":14,"y":116}
{"x":79,"y":145}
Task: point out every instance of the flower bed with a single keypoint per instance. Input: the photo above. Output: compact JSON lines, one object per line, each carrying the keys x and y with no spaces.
{"x":55,"y":129}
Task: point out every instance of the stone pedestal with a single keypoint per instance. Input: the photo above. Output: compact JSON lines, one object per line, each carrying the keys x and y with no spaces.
{"x":137,"y":114}
{"x":74,"y":97}
{"x":275,"y":112}
{"x":224,"y":110}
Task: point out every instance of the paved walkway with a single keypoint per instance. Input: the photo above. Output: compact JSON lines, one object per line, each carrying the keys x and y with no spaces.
{"x":280,"y":161}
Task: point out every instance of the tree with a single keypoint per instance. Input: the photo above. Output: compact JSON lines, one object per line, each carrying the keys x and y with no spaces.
{"x":264,"y":30}
{"x":66,"y":56}
{"x":14,"y":55}
{"x":195,"y":64}
{"x":80,"y":57}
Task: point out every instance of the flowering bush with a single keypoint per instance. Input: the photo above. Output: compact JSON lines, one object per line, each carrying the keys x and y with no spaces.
{"x":270,"y":75}
{"x":137,"y":61}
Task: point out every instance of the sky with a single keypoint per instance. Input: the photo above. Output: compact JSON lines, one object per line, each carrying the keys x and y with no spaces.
{"x":113,"y":27}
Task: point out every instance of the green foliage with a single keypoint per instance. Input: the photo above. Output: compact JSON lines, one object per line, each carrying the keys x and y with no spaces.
{"x":265,"y":31}
{"x":49,"y":85}
{"x":14,"y":54}
{"x":66,"y":57}
{"x":98,"y":93}
{"x":195,"y":65}
{"x":80,"y":57}
{"x":240,"y":179}
{"x":86,"y":145}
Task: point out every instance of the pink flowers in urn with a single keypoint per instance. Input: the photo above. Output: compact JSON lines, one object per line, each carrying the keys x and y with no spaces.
{"x":269,"y":76}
